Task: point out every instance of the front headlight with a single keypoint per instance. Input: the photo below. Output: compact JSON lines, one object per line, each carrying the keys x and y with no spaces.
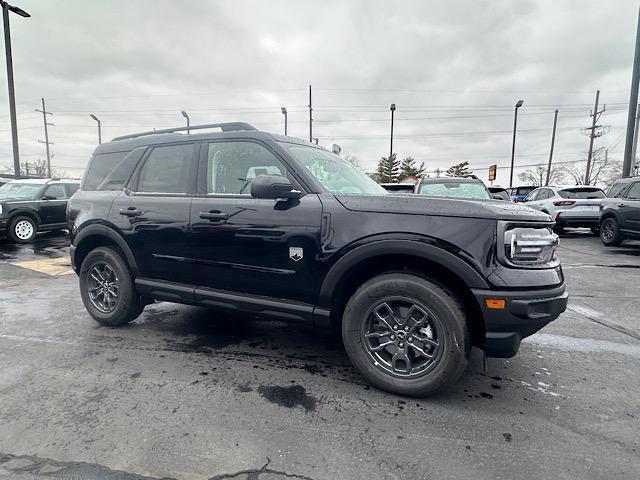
{"x":529,"y":246}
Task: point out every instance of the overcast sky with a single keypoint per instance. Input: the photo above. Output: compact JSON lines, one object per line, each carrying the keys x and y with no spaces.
{"x":454,"y":70}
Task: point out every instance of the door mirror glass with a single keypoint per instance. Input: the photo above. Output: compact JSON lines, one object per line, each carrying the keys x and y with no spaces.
{"x":273,"y":186}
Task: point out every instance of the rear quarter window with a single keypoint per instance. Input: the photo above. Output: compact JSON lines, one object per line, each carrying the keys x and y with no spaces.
{"x":99,"y":167}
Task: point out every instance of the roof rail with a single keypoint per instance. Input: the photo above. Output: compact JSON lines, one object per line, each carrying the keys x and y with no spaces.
{"x":225,"y":127}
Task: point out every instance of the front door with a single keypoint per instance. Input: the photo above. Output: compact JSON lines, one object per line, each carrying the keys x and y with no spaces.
{"x":249,"y":245}
{"x":153,"y":213}
{"x":629,"y":208}
{"x":53,"y":206}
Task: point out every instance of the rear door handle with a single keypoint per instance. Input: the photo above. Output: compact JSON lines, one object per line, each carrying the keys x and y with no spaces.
{"x":130,"y":212}
{"x":214,"y":216}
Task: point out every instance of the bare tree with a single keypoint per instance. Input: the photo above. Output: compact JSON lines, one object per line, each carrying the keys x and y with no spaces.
{"x":538,"y":175}
{"x":603,"y":170}
{"x":353,"y":160}
{"x":37,"y":168}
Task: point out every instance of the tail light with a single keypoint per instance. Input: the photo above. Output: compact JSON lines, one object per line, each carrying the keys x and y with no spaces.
{"x":563,"y":203}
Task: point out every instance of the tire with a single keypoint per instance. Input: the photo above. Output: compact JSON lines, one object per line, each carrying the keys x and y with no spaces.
{"x":610,"y":232}
{"x":105,"y":266}
{"x":22,"y":229}
{"x":443,"y":321}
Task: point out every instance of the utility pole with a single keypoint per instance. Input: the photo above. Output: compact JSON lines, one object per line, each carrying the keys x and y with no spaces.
{"x":635,"y":139}
{"x":553,"y":141}
{"x":310,"y":117}
{"x":393,"y":109}
{"x":596,"y":115}
{"x":12,"y":95}
{"x":633,"y":103}
{"x":46,"y":135}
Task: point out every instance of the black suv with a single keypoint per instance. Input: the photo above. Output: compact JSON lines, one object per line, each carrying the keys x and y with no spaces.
{"x":620,"y":213}
{"x":265,"y":224}
{"x":29,"y":206}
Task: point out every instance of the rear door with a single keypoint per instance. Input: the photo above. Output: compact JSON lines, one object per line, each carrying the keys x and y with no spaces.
{"x":153,"y":212}
{"x":629,"y":208}
{"x":53,"y":205}
{"x":250,"y":245}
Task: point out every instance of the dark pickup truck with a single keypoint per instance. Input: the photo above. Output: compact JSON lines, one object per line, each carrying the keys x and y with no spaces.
{"x":247,"y":221}
{"x":29,"y":206}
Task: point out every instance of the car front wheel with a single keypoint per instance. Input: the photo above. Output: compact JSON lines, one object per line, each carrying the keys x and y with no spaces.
{"x":406,"y":334}
{"x":107,"y":288}
{"x":610,"y":232}
{"x":22,"y":229}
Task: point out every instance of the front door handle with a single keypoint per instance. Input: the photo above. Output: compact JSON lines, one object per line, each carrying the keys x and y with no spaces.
{"x":622,"y":204}
{"x":130,"y":212}
{"x":214,"y":216}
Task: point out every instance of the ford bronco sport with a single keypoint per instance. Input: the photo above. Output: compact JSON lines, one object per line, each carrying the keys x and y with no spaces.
{"x":249,"y":221}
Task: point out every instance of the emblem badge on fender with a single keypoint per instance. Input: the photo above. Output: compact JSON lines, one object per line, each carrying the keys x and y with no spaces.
{"x":296,"y":253}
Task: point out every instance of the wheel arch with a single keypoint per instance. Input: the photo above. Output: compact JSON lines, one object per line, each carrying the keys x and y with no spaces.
{"x":609,"y":214}
{"x":25,"y":212}
{"x":94,"y":236}
{"x":385,"y":256}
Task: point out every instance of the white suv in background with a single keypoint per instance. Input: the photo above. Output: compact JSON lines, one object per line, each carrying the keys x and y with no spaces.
{"x":570,"y":206}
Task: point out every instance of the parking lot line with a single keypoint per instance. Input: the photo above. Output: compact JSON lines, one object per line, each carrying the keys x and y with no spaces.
{"x":50,"y":266}
{"x":601,"y":319}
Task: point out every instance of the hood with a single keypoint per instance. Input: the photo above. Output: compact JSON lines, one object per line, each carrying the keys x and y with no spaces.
{"x":445,"y":207}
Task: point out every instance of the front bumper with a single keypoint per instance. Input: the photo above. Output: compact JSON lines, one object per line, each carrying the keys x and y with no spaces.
{"x":524,"y":313}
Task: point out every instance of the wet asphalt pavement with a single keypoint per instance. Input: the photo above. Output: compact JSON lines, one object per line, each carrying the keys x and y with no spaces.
{"x":185,"y":392}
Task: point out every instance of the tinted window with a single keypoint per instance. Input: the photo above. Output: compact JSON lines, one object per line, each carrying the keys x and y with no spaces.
{"x":99,"y":167}
{"x":72,"y":188}
{"x":617,"y":188}
{"x":524,"y":190}
{"x":55,"y":191}
{"x":581,"y":193}
{"x":232,"y":166}
{"x":634,"y":191}
{"x":167,"y":170}
{"x":533,"y":196}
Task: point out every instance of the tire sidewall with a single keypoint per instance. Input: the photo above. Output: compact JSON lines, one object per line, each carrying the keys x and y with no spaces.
{"x":11,"y":233}
{"x":128,"y":300}
{"x":441,"y":303}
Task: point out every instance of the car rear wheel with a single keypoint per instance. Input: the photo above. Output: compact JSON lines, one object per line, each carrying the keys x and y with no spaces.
{"x":107,"y":288}
{"x":22,"y":229}
{"x":406,"y":334}
{"x":610,"y":232}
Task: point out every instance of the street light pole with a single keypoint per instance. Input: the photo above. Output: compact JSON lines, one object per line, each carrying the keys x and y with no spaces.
{"x":553,"y":141}
{"x":185,"y":115}
{"x":284,"y":112}
{"x":393,"y":109}
{"x":99,"y":127}
{"x":12,"y":96}
{"x":513,"y":144}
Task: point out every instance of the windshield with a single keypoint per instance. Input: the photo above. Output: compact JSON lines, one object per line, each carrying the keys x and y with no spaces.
{"x":583,"y":193}
{"x":333,"y":173}
{"x":451,"y":189}
{"x":19,"y":190}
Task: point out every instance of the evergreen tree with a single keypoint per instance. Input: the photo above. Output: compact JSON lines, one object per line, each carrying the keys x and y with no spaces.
{"x":388,"y":169}
{"x":459,"y":170}
{"x":408,"y":169}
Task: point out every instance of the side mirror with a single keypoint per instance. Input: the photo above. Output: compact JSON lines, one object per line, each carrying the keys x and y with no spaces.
{"x":273,"y":186}
{"x":497,"y":197}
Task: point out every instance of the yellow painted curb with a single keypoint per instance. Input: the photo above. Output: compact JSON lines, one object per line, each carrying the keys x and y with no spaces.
{"x":50,"y":266}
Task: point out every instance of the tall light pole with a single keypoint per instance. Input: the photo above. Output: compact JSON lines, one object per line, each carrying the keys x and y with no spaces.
{"x":513,"y":144}
{"x":99,"y":127}
{"x":393,"y":109}
{"x":633,"y":103}
{"x":185,"y":115}
{"x":553,"y":141}
{"x":284,"y":112}
{"x":12,"y":96}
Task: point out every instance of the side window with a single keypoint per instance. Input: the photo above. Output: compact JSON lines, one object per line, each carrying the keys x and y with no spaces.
{"x":616,"y":189}
{"x":545,"y":193}
{"x":167,"y":169}
{"x":55,"y":191}
{"x":533,"y":196}
{"x":232,"y":166}
{"x":634,"y":191}
{"x":72,"y":188}
{"x":99,"y":167}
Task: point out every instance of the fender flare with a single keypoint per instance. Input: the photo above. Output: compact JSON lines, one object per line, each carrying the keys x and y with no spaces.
{"x":25,"y":212}
{"x":610,"y":213}
{"x":111,"y":234}
{"x":437,"y":255}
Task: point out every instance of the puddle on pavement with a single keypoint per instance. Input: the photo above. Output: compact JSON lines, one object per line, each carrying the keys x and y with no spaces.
{"x":289,"y":397}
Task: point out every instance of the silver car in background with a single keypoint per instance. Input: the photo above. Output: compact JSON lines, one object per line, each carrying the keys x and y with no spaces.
{"x":569,"y":206}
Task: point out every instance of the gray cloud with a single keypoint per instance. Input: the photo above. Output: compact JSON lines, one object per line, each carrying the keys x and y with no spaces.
{"x":137,"y":64}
